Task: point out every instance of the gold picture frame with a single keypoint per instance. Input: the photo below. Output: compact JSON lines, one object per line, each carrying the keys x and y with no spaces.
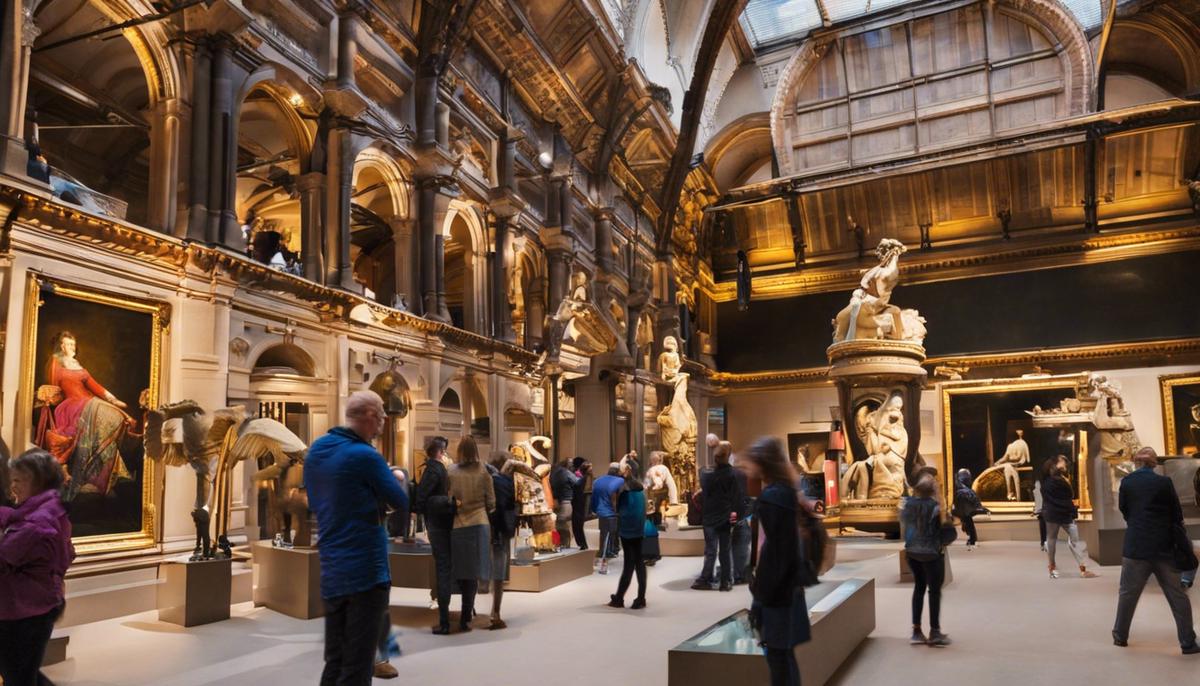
{"x":1176,"y":409}
{"x":1064,"y":383}
{"x":138,"y":529}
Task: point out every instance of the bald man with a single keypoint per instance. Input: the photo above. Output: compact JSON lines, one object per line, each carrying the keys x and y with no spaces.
{"x":349,"y":485}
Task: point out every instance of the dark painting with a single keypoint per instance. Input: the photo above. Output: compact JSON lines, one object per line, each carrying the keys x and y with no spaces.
{"x":1185,"y":409}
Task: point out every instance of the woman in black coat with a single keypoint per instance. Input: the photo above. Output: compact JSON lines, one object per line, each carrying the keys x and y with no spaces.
{"x":1059,"y":511}
{"x":779,"y":610}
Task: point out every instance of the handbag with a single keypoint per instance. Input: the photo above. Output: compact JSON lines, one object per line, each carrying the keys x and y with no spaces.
{"x":948,"y":534}
{"x":1182,"y":551}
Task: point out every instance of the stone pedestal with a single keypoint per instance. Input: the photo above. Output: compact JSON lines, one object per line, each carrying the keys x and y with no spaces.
{"x":56,"y":650}
{"x":555,"y":571}
{"x":906,"y":576}
{"x":288,"y":580}
{"x":411,"y":567}
{"x":192,"y":593}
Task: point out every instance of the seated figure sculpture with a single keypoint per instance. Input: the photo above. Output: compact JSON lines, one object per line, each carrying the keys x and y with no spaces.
{"x":870,"y":314}
{"x":1015,"y":456}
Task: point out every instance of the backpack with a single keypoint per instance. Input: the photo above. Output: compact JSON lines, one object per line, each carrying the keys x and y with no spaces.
{"x":818,"y":551}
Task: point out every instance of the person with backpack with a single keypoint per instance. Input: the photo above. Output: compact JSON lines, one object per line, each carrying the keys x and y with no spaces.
{"x":631,"y":525}
{"x":778,"y":612}
{"x":921,"y":518}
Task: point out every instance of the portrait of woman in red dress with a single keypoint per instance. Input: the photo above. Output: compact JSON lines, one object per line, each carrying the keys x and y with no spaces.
{"x":81,"y":423}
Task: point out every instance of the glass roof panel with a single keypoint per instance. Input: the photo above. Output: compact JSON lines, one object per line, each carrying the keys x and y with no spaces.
{"x":768,"y":21}
{"x":841,"y":10}
{"x":1089,"y":13}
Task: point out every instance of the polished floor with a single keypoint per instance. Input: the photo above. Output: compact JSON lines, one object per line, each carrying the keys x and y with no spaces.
{"x":1009,"y":621}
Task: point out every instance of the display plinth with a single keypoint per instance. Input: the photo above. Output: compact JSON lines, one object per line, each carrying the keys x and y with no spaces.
{"x":411,"y":565}
{"x":193,"y":593}
{"x":56,"y":650}
{"x":906,"y":576}
{"x":842,"y":614}
{"x":288,"y":580}
{"x":553,"y":570}
{"x":676,"y":541}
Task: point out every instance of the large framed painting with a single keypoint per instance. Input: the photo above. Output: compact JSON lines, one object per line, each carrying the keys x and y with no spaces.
{"x":92,"y":366}
{"x":1181,"y":413}
{"x":989,"y":432}
{"x":808,"y":449}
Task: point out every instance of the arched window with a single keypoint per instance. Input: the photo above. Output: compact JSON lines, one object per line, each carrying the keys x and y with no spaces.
{"x":924,"y":84}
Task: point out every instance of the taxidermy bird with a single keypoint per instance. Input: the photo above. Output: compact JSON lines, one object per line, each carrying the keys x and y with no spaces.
{"x":182,"y":434}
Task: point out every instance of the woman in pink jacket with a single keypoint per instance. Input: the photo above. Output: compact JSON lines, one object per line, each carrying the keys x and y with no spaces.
{"x":35,"y":551}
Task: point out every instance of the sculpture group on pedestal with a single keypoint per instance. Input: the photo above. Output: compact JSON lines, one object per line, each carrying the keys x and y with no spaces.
{"x":881,"y":474}
{"x":677,"y":420}
{"x":183,"y":434}
{"x":870,"y":314}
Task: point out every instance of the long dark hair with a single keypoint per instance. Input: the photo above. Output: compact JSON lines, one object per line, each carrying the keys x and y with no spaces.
{"x":1050,"y":467}
{"x":772,"y":461}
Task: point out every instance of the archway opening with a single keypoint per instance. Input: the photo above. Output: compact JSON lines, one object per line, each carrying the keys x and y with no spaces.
{"x":89,"y":107}
{"x":372,"y":238}
{"x":285,"y":358}
{"x":459,"y":265}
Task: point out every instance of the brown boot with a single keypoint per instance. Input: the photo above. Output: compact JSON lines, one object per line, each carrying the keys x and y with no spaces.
{"x":385,"y":670}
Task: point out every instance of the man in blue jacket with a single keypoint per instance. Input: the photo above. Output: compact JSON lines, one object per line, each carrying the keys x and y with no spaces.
{"x":349,"y":488}
{"x":1152,"y":511}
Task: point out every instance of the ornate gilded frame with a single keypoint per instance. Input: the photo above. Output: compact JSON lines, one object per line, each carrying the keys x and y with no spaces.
{"x":147,"y":536}
{"x":984,"y":386}
{"x":1167,"y":384}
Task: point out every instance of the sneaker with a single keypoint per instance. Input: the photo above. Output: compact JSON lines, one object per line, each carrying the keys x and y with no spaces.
{"x":1043,"y":547}
{"x":1053,"y":573}
{"x":638,"y":604}
{"x":614,"y":601}
{"x":385,"y":670}
{"x":918,"y":638}
{"x":938,"y":639}
{"x":603,"y":569}
{"x":1192,"y":649}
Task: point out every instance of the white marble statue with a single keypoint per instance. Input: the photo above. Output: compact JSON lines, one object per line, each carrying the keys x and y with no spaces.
{"x":881,"y":474}
{"x":1015,"y":455}
{"x":677,"y":420}
{"x":870,"y":314}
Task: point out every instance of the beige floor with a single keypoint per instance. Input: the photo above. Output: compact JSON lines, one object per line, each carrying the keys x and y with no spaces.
{"x":1010,"y":623}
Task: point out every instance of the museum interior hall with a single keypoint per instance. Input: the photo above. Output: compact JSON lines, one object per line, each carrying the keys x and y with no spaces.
{"x":671,"y":342}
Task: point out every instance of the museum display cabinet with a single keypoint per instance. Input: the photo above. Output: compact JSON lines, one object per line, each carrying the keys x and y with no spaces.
{"x":842,"y":614}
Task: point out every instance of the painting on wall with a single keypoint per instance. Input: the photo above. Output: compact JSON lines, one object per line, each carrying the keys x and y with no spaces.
{"x":92,"y":368}
{"x":807,"y":450}
{"x":1181,"y":413}
{"x":989,"y":432}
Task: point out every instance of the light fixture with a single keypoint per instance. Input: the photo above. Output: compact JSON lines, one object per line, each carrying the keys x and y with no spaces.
{"x":296,"y":100}
{"x":545,"y":159}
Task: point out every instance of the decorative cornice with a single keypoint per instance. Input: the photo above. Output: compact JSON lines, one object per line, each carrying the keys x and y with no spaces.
{"x":103,"y":233}
{"x":978,"y":260}
{"x":1075,"y":354}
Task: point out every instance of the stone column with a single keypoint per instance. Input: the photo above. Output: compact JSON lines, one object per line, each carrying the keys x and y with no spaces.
{"x":164,"y":167}
{"x":501,"y":315}
{"x":554,"y":214}
{"x":347,"y":49}
{"x":535,"y":313}
{"x":604,"y":239}
{"x":220,"y":119}
{"x":339,"y":175}
{"x":312,"y":240}
{"x":197,"y":227}
{"x":402,"y":271}
{"x":434,"y":195}
{"x":19,"y":32}
{"x":560,"y":275}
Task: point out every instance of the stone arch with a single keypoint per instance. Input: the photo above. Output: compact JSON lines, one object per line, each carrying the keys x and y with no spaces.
{"x":464,"y":238}
{"x":738,"y":149}
{"x":278,"y":357}
{"x":380,"y":235}
{"x":1159,"y":48}
{"x":1067,"y":39}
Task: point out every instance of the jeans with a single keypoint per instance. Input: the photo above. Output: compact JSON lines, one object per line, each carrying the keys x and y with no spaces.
{"x":22,"y":646}
{"x":741,"y":551}
{"x":968,"y":527}
{"x":439,"y":541}
{"x":633,"y":562}
{"x":928,"y":575}
{"x":1077,"y":546}
{"x":717,"y":542}
{"x":1134,"y":575}
{"x":351,"y":636}
{"x":1188,"y":578}
{"x":608,"y":537}
{"x":1042,"y":528}
{"x":382,"y":646}
{"x":781,"y":662}
{"x":562,"y":522}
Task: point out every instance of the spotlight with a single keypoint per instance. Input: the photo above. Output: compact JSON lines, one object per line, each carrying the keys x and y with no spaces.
{"x":296,"y":100}
{"x":545,"y":159}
